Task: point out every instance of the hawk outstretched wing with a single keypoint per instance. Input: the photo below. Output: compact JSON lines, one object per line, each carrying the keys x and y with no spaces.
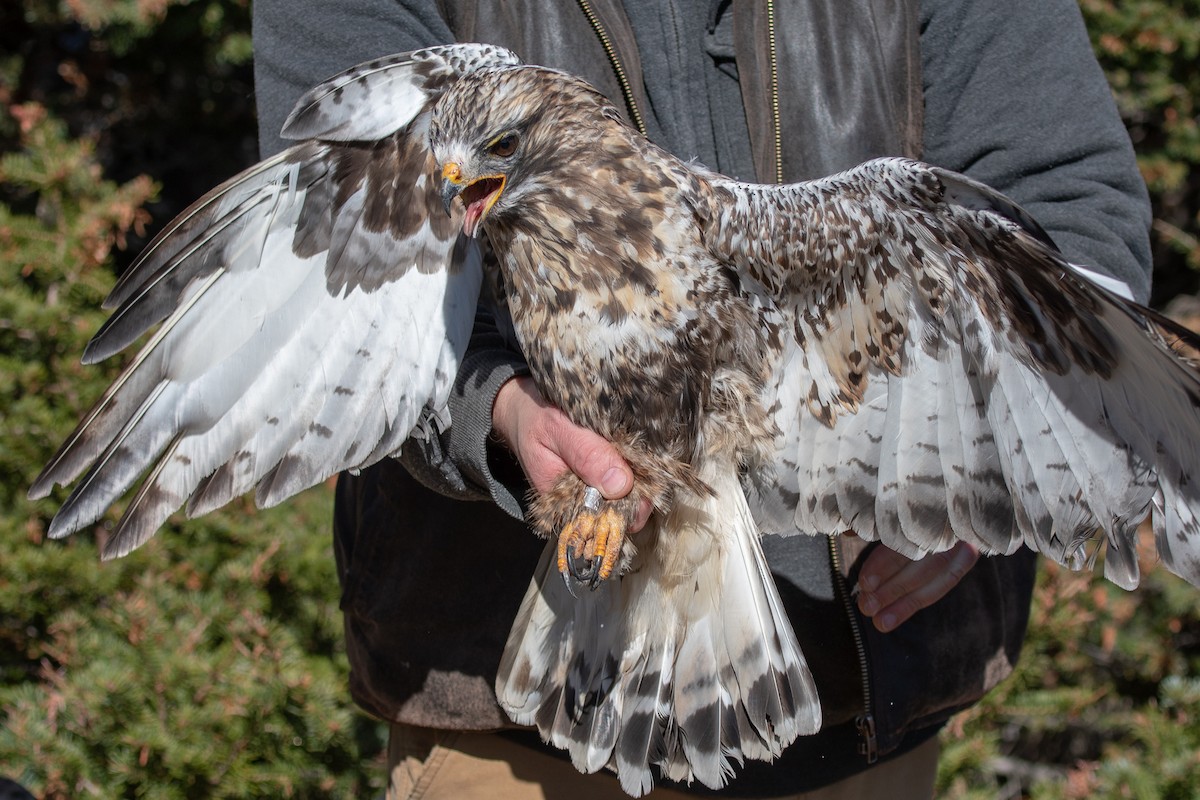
{"x":895,"y":350}
{"x":949,"y":375}
{"x":313,"y":312}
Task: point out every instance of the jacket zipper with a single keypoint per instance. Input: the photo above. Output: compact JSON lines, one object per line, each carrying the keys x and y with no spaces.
{"x":606,"y":42}
{"x":776,"y":125}
{"x":865,"y":722}
{"x":635,"y":113}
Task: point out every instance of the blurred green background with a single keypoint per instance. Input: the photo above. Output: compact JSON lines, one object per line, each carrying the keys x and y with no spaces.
{"x":209,"y":663}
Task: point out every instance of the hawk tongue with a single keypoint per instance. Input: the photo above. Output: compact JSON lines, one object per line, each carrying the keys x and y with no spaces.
{"x":478,"y":199}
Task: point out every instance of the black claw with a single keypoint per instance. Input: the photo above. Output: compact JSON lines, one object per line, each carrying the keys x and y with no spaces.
{"x":570,"y":584}
{"x":583,"y":570}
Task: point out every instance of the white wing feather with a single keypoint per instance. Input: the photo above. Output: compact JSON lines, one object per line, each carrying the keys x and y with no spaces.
{"x":313,"y":311}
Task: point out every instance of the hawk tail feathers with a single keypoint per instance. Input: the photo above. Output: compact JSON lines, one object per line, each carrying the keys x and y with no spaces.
{"x":687,"y":661}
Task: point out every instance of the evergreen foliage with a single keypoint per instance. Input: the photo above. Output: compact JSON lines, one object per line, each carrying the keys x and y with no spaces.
{"x":209,"y":663}
{"x":1105,"y":702}
{"x":1150,"y":51}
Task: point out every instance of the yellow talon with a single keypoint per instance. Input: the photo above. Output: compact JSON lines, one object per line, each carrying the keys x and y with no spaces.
{"x":591,"y":538}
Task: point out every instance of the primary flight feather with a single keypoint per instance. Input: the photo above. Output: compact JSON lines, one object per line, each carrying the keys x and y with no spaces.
{"x":895,"y":350}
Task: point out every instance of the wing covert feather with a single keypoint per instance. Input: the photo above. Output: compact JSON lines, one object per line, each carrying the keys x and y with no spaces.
{"x":373,"y":100}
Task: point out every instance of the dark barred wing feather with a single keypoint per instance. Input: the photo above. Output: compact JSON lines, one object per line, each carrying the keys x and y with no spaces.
{"x":950,"y":376}
{"x":311,"y":316}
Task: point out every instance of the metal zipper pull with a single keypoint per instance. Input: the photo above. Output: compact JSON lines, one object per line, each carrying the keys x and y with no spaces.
{"x":869,"y":746}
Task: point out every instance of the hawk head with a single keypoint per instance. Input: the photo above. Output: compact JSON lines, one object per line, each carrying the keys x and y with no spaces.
{"x":501,"y":136}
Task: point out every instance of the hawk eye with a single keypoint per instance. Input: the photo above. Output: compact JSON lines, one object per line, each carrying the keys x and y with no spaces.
{"x":505,"y":146}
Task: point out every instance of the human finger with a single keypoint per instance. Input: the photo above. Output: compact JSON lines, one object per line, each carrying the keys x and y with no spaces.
{"x":915,"y":585}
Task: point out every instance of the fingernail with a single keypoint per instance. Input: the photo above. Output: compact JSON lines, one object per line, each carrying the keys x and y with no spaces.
{"x":870,"y":582}
{"x":868,"y":604}
{"x":614,"y":483}
{"x":887,"y":622}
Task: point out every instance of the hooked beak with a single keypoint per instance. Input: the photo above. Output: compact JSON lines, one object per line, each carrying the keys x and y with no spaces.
{"x":478,"y":196}
{"x":452,"y":183}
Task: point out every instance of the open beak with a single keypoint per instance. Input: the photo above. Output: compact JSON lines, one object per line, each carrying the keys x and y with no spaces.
{"x":478,"y":196}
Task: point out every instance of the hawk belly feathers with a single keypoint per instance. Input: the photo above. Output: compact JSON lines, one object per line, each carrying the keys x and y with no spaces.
{"x":894,"y":350}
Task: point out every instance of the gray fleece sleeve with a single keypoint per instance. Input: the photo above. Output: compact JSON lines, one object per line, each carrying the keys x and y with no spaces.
{"x":299,"y":44}
{"x":1014,"y":97}
{"x":466,"y":461}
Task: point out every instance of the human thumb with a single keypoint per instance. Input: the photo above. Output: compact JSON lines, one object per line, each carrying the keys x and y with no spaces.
{"x":598,"y":463}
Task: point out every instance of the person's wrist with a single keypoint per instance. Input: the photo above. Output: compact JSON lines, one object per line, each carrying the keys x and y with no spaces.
{"x":506,"y":408}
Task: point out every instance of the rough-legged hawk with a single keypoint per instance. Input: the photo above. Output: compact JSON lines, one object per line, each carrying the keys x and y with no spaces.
{"x":895,"y":350}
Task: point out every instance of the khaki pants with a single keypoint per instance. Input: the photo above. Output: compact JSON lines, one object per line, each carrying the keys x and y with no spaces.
{"x":427,"y":764}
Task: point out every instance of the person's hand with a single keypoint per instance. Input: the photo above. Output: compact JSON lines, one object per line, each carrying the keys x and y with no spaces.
{"x":892,"y":588}
{"x":547,"y":444}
